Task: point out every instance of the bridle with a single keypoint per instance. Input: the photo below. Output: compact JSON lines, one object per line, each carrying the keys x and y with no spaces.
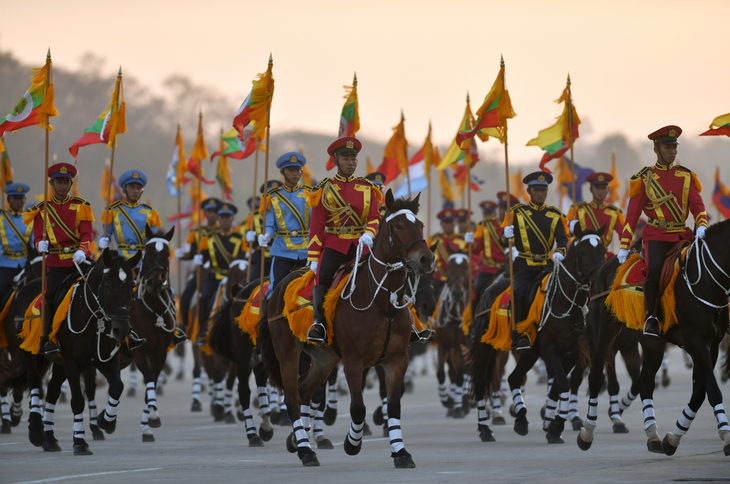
{"x":702,"y":253}
{"x":451,"y":308}
{"x":167,"y":302}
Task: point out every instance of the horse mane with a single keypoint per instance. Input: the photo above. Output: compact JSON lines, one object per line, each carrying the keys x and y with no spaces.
{"x":404,"y":203}
{"x":717,"y":229}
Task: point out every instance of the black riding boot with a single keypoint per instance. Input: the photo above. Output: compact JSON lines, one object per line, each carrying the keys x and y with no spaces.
{"x":48,"y":348}
{"x":179,"y":337}
{"x":318,"y":333}
{"x":652,"y":326}
{"x":264,"y":311}
{"x":520,"y":342}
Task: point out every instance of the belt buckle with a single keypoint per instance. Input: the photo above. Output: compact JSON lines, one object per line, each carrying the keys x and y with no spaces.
{"x":66,"y":250}
{"x":294,"y":233}
{"x":663,"y":224}
{"x":132,"y":246}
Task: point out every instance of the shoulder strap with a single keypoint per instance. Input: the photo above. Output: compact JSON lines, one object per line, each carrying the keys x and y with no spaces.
{"x":71,"y":234}
{"x":137,"y":233}
{"x":21,"y":237}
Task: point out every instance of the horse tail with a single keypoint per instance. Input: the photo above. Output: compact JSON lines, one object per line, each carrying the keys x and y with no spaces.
{"x":268,"y":355}
{"x":220,"y":331}
{"x":726,"y":366}
{"x":14,"y":375}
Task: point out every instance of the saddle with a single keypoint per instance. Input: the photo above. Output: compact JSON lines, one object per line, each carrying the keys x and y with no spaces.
{"x":668,"y":266}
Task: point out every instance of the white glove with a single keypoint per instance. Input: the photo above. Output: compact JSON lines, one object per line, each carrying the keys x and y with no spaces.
{"x":572,"y":224}
{"x":623,"y":254}
{"x":79,"y":256}
{"x":179,"y":253}
{"x":701,"y":232}
{"x":264,"y":239}
{"x":313,"y":266}
{"x":43,"y":246}
{"x":366,"y":239}
{"x":469,"y":237}
{"x":509,"y":231}
{"x":250,"y":236}
{"x":240,"y":263}
{"x":557,"y":256}
{"x":103,"y":243}
{"x":198,"y":259}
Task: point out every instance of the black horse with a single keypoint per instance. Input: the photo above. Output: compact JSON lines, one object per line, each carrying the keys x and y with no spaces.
{"x":96,"y":326}
{"x":557,"y":341}
{"x":701,"y":297}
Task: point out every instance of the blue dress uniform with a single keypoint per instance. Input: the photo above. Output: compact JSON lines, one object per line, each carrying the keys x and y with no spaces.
{"x":15,"y":237}
{"x":255,"y":227}
{"x":378,"y":180}
{"x":127,"y":220}
{"x":287,"y":222}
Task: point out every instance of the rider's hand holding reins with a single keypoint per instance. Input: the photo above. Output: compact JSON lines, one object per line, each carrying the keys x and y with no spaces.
{"x":43,"y":246}
{"x":366,"y":239}
{"x":103,"y":242}
{"x":79,"y":256}
{"x":623,"y":254}
{"x":313,"y":266}
{"x":509,"y":231}
{"x":469,"y":237}
{"x":701,"y":232}
{"x":558,"y":257}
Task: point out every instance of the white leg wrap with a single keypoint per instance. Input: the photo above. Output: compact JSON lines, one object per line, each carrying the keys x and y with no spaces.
{"x":219,"y":393}
{"x":395,"y":434}
{"x":35,"y":400}
{"x":4,"y":408}
{"x":665,"y":362}
{"x":504,"y":387}
{"x":111,"y":409}
{"x":228,"y":401}
{"x":318,"y":424}
{"x":132,"y":378}
{"x":496,"y":403}
{"x":263,"y":401}
{"x":550,"y":384}
{"x":160,"y":380}
{"x":273,"y":400}
{"x":93,"y":413}
{"x":305,"y":411}
{"x":144,"y":424}
{"x":248,"y":422}
{"x":684,"y":421}
{"x":721,"y":418}
{"x":563,"y":405}
{"x":151,"y":395}
{"x":458,"y":396}
{"x":48,"y":417}
{"x":355,"y":434}
{"x":592,"y":416}
{"x":333,"y":397}
{"x":196,"y":389}
{"x":79,"y":426}
{"x":517,"y":399}
{"x":452,"y":391}
{"x":300,"y":434}
{"x":443,"y":394}
{"x":482,"y":415}
{"x":16,"y":408}
{"x":551,"y":407}
{"x":613,"y":409}
{"x":627,"y":400}
{"x":648,"y":407}
{"x":573,"y":406}
{"x":63,"y":387}
{"x":385,"y":408}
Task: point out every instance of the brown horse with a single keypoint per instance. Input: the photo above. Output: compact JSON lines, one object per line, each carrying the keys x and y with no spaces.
{"x":372,"y":325}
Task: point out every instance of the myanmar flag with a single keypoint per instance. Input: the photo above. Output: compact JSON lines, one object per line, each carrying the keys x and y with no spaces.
{"x":466,"y":150}
{"x":109,"y":124}
{"x":723,"y":127}
{"x":6,"y":171}
{"x":721,"y":196}
{"x":34,"y":105}
{"x":558,"y":138}
{"x":255,"y":107}
{"x":349,"y":118}
{"x":493,"y":113}
{"x":234,"y":146}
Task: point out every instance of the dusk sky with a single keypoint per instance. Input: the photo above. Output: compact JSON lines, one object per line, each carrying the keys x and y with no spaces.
{"x":635,"y":65}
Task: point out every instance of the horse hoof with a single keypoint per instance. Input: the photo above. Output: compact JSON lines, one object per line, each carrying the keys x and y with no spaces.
{"x":668,"y":448}
{"x":542,"y":412}
{"x":291,"y":443}
{"x":512,"y":410}
{"x":582,"y":444}
{"x":330,"y":415}
{"x":403,"y":460}
{"x":51,"y":444}
{"x":265,"y":434}
{"x":36,"y":435}
{"x":131,"y":393}
{"x":498,"y":419}
{"x":577,"y":423}
{"x":325,"y":444}
{"x":620,"y":428}
{"x":104,"y":424}
{"x":241,"y":416}
{"x":487,"y":435}
{"x":655,"y":446}
{"x":726,"y":449}
{"x":285,"y":420}
{"x":554,"y":439}
{"x":5,"y":428}
{"x":82,"y":449}
{"x":458,"y":412}
{"x":448,"y":403}
{"x":274,"y":416}
{"x":196,"y":406}
{"x":255,"y":441}
{"x":308,"y":457}
{"x":450,"y":412}
{"x":155,"y":423}
{"x":219,"y":413}
{"x":378,"y":416}
{"x":96,"y":433}
{"x":366,"y":429}
{"x":148,"y":438}
{"x":521,"y":423}
{"x":352,"y":449}
{"x":229,"y":418}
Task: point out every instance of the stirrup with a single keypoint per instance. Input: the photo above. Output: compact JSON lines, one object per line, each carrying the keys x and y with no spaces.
{"x":133,"y":342}
{"x":49,"y":348}
{"x":421,"y":336}
{"x":316,"y":336}
{"x":179,"y":337}
{"x":521,"y":342}
{"x":653,"y":331}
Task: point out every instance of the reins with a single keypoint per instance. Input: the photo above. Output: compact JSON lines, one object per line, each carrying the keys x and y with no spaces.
{"x":168,"y":303}
{"x":702,"y":253}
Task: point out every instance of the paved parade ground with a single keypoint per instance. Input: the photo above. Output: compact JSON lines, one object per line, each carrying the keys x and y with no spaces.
{"x":190,"y":447}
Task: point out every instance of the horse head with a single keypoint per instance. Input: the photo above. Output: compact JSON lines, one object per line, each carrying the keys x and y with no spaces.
{"x":113,"y":283}
{"x":155,"y":260}
{"x":405,"y":234}
{"x":457,"y":273}
{"x":426,"y":297}
{"x":587,"y":253}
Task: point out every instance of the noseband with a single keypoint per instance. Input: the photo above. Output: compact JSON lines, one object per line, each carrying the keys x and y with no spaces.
{"x":411,"y":218}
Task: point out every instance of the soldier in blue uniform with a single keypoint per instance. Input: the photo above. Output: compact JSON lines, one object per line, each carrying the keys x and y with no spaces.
{"x":126,"y":219}
{"x":15,"y":237}
{"x":287,"y":219}
{"x":378,"y":180}
{"x":254,"y":228}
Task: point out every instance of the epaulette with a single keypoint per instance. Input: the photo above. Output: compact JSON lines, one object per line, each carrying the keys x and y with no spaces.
{"x":683,"y":168}
{"x":37,"y":206}
{"x":376,"y":189}
{"x":555,"y":209}
{"x":307,"y":187}
{"x":369,"y":182}
{"x":273,"y":190}
{"x":81,"y":200}
{"x":147,"y":206}
{"x":641,"y":173}
{"x":115,"y":204}
{"x":614,"y":207}
{"x":580,"y":204}
{"x":321,"y":184}
{"x":515,"y":207}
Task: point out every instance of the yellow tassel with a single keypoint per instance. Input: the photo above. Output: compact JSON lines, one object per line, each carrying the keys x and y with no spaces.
{"x":122,"y":121}
{"x":635,"y":186}
{"x":265,"y":206}
{"x":85,"y":213}
{"x":698,"y":185}
{"x":249,"y":317}
{"x":61,"y":314}
{"x":153,"y":220}
{"x":416,"y":322}
{"x":32,"y":330}
{"x":499,"y":333}
{"x":30,"y":215}
{"x":301,"y":320}
{"x":330,"y":305}
{"x":466,"y":319}
{"x":378,"y":195}
{"x":314,"y":198}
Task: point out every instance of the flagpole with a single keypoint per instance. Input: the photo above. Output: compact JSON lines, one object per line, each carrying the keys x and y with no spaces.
{"x":200,"y":224}
{"x":49,"y":74}
{"x":570,"y":137}
{"x":253,"y":205}
{"x":220,"y":148}
{"x":2,"y":142}
{"x":469,"y":246}
{"x":179,"y":222}
{"x":405,"y":154}
{"x":266,"y":178}
{"x":111,"y":164}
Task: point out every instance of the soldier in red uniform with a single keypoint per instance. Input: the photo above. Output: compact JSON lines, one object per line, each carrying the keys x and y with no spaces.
{"x":344,"y":215}
{"x":486,"y":242}
{"x":69,"y":237}
{"x":666,"y":194}
{"x":596,"y":213}
{"x":448,"y":240}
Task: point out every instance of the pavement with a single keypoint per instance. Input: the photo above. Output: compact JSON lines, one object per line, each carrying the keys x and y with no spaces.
{"x":190,"y":447}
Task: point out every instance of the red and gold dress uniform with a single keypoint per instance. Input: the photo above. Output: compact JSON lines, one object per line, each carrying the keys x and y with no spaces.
{"x":447,"y":244}
{"x":488,"y":247}
{"x":593,"y":216}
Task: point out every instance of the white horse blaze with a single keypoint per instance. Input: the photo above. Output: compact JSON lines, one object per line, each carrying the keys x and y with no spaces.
{"x":122,"y":275}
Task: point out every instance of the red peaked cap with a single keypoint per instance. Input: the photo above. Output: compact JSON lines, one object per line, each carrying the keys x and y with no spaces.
{"x":62,"y":170}
{"x":502,"y":196}
{"x":343,"y":145}
{"x":599,"y":178}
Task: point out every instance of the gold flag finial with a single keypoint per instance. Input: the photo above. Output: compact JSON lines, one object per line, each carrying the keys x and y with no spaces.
{"x":201,"y":112}
{"x":120,"y":71}
{"x":48,"y":56}
{"x":178,"y":124}
{"x":271,"y":59}
{"x":501,"y":60}
{"x":401,"y":114}
{"x":568,"y":77}
{"x":467,"y":96}
{"x":354,"y":78}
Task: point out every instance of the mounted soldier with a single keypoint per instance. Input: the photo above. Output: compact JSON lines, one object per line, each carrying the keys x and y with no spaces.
{"x":254,"y":228}
{"x":666,"y":193}
{"x":596,"y":213}
{"x":15,"y":237}
{"x":378,"y":180}
{"x":539,"y":227}
{"x":448,"y":241}
{"x":345,"y":215}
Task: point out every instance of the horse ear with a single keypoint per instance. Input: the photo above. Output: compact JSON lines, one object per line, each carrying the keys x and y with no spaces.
{"x":134,"y":260}
{"x":602,"y":230}
{"x":235,"y":289}
{"x":389,"y":199}
{"x":148,"y":232}
{"x":106,"y":256}
{"x":418,"y":205}
{"x":578,"y":231}
{"x":433,"y":247}
{"x":169,"y":234}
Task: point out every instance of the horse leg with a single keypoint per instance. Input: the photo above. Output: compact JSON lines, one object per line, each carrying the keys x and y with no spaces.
{"x":52,"y":394}
{"x":613,"y":388}
{"x":456,"y":372}
{"x":485,"y":372}
{"x":496,"y":390}
{"x":228,"y":398}
{"x":576,"y":378}
{"x":243,"y":363}
{"x":632,"y":359}
{"x":395,"y":369}
{"x":36,"y":434}
{"x":16,"y":409}
{"x":560,"y":388}
{"x":217,"y":373}
{"x":444,"y":396}
{"x":77,"y":407}
{"x":526,"y":361}
{"x":380,"y":415}
{"x":90,"y":389}
{"x":107,"y":419}
{"x":354,"y":375}
{"x":196,"y":406}
{"x":150,"y":416}
{"x":5,"y":427}
{"x":681,"y":427}
{"x":318,"y":403}
{"x":266,"y":431}
{"x":653,"y":353}
{"x":330,"y":412}
{"x":132,"y":392}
